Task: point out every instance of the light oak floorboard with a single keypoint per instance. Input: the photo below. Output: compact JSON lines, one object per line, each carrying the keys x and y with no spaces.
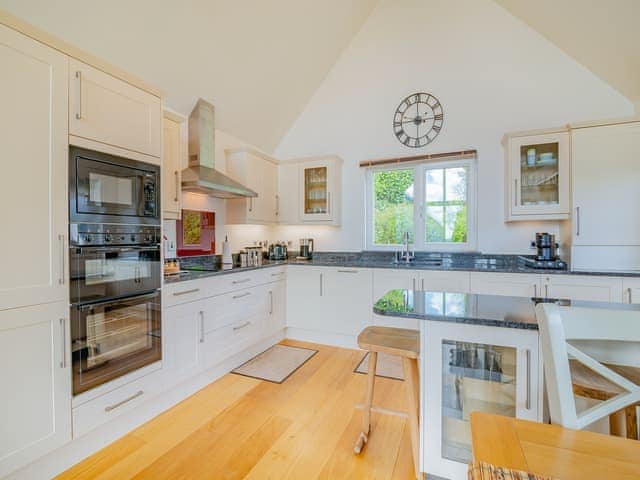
{"x":243,"y":428}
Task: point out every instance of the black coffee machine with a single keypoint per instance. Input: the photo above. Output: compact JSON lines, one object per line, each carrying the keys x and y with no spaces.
{"x":546,"y":253}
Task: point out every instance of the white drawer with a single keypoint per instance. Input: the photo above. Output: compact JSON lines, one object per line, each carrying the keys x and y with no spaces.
{"x":106,"y":407}
{"x":230,"y":339}
{"x":227,"y":308}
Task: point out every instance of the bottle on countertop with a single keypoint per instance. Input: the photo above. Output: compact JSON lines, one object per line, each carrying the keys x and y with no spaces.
{"x":226,"y":252}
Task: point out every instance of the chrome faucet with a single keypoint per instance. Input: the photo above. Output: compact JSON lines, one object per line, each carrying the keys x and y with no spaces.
{"x":405,"y":255}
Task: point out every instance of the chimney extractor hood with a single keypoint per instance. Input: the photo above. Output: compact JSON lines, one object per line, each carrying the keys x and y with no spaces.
{"x":201,"y":175}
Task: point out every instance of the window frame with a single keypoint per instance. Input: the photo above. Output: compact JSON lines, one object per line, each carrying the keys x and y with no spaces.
{"x":419,"y":207}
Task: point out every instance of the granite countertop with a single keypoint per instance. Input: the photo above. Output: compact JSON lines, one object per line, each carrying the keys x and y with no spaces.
{"x":195,"y":273}
{"x":466,"y":262}
{"x":487,"y":310}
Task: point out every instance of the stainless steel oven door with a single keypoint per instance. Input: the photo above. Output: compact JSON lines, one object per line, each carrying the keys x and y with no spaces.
{"x":103,"y":273}
{"x":110,"y":339}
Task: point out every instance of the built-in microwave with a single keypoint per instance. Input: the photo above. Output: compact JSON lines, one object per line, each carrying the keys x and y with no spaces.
{"x":106,"y":188}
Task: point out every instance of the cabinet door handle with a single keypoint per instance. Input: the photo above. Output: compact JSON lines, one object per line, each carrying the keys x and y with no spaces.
{"x":321,"y":292}
{"x":239,"y":327}
{"x":277,"y":205}
{"x":175,"y":199}
{"x":422,"y":284}
{"x":546,"y":290}
{"x":629,"y":294}
{"x":277,"y":274}
{"x":329,"y":202}
{"x":348,"y":271}
{"x":244,"y":280}
{"x":242,"y":295}
{"x":515,"y":192}
{"x":577,"y":221}
{"x":528,"y":367}
{"x":63,"y":269}
{"x":126,"y":400}
{"x":251,"y":204}
{"x":63,"y":336}
{"x":185,"y":292}
{"x":270,"y":302}
{"x":414,"y":284}
{"x":79,"y":109}
{"x":201,"y":313}
{"x":535,"y":291}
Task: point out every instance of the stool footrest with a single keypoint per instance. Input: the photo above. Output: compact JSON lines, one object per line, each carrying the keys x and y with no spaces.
{"x":384,"y":411}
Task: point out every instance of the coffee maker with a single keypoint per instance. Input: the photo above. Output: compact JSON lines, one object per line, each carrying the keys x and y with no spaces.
{"x":546,"y":253}
{"x":306,"y":249}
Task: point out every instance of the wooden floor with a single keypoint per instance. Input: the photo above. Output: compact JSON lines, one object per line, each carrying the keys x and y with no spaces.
{"x":239,"y":427}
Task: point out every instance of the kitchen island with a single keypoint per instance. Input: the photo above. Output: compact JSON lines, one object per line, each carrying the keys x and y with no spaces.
{"x":477,"y":352}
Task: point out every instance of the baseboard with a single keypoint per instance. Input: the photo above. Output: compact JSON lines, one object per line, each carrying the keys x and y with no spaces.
{"x":75,"y":451}
{"x":313,"y":336}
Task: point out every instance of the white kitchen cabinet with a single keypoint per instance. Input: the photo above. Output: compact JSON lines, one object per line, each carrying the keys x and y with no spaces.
{"x":111,"y":111}
{"x":631,"y":290}
{"x":509,"y":284}
{"x":537,"y":175}
{"x":35,"y":373}
{"x":444,"y":281}
{"x":506,"y":379}
{"x":258,"y":172}
{"x":581,"y":287}
{"x":174,"y":159}
{"x":33,"y":194}
{"x":277,"y":318}
{"x":183,"y":326}
{"x":606,"y":197}
{"x":336,"y":302}
{"x":347,"y":298}
{"x":288,"y":194}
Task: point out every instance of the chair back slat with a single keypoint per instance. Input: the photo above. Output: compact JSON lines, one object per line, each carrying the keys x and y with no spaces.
{"x":582,"y":323}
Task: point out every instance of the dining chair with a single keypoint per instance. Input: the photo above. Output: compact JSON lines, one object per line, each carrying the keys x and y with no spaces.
{"x":590,"y":348}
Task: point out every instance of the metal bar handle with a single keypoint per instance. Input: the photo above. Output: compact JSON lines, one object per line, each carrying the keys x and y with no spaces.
{"x":277,"y":274}
{"x":277,"y":205}
{"x":321,"y":292}
{"x":528,"y":397}
{"x":629,"y":292}
{"x":126,"y":400}
{"x":123,"y":301}
{"x":515,"y":192}
{"x":63,"y":273}
{"x":251,"y":204}
{"x":535,"y":290}
{"x":79,"y":109}
{"x":245,"y":324}
{"x":185,"y":292}
{"x":546,"y":290}
{"x":577,"y":221}
{"x":175,"y":198}
{"x":329,"y":202}
{"x":201,"y":313}
{"x":245,"y":294}
{"x":63,"y":335}
{"x":245,"y":280}
{"x":414,"y":284}
{"x":270,"y":302}
{"x":348,"y":271}
{"x":422,"y":284}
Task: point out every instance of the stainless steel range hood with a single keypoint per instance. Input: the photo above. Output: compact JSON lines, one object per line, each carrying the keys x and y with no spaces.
{"x":201,"y":175}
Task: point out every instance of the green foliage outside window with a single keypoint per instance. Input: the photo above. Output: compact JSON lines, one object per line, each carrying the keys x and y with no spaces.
{"x":393,"y":212}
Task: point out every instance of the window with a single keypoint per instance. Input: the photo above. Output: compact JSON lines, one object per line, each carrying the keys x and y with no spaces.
{"x":434,"y":202}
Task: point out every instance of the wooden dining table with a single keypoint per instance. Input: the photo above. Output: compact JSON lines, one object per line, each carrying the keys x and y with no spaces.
{"x":552,"y":451}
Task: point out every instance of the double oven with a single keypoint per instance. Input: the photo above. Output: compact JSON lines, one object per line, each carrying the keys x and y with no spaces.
{"x":115,"y":266}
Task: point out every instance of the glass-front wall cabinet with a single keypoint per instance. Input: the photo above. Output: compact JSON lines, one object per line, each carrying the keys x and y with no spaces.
{"x":320,"y":188}
{"x":316,"y":193}
{"x":539,"y":177}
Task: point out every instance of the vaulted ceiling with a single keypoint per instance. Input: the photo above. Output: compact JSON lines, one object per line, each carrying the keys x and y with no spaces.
{"x":259,"y":62}
{"x":604,"y":36}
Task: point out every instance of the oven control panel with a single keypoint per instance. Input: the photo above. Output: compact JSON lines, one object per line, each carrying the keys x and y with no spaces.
{"x":101,"y":234}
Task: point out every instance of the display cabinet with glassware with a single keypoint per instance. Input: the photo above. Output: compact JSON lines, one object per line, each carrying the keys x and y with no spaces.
{"x":537,"y":175}
{"x":320,"y":188}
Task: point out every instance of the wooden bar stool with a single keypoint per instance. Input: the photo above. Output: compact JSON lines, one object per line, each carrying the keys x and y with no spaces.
{"x":403,"y":343}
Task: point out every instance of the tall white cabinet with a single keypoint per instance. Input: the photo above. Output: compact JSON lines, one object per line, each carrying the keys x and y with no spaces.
{"x":606,"y":197}
{"x":174,"y":159}
{"x":33,"y":192}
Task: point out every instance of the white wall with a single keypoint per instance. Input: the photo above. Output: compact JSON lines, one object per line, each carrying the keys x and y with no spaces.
{"x":492,"y":74}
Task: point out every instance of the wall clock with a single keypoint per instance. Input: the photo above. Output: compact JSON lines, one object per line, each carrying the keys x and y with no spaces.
{"x":418,"y":120}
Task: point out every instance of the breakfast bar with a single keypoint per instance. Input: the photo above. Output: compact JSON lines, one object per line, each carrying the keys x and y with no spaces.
{"x":477,"y":353}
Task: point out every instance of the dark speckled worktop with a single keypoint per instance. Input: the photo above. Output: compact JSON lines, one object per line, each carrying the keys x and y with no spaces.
{"x":488,"y":310}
